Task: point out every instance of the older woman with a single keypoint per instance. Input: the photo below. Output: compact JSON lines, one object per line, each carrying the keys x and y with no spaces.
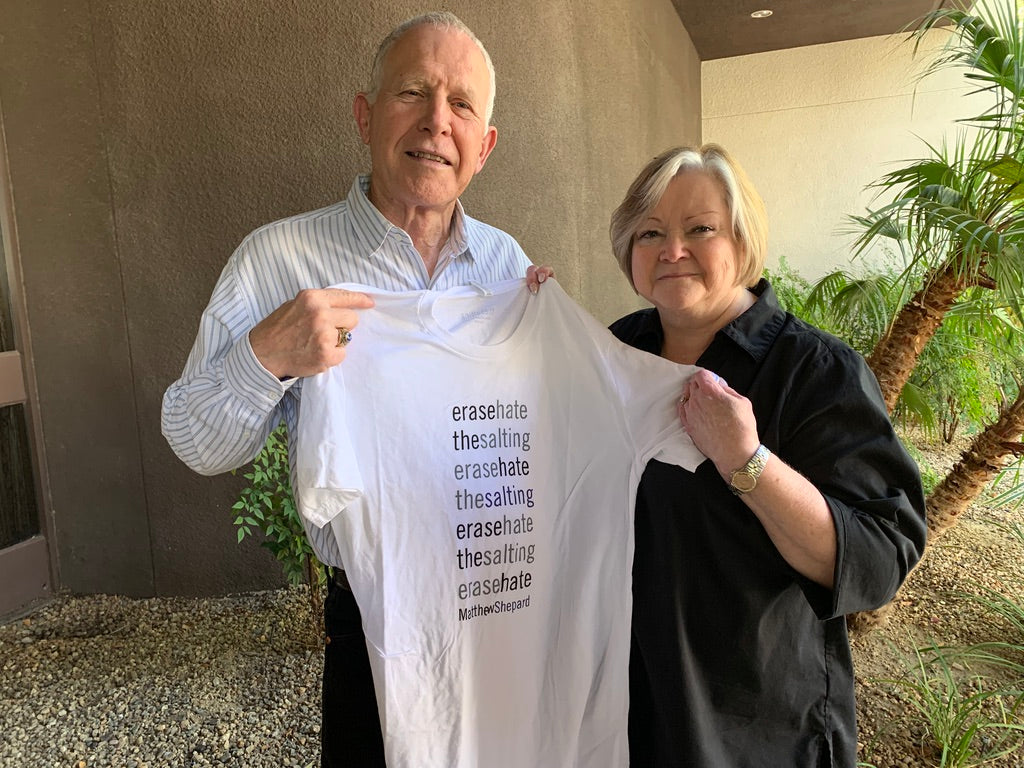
{"x":807,"y":509}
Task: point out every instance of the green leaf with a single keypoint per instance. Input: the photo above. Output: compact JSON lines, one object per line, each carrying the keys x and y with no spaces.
{"x":268,"y":504}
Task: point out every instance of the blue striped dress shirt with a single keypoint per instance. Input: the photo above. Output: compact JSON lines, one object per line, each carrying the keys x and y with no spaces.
{"x":217,"y":416}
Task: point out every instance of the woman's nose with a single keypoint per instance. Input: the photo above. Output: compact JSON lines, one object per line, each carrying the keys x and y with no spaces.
{"x":674,"y":248}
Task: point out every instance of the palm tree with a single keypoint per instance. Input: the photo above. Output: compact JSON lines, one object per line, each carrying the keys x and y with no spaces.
{"x":970,"y":363}
{"x":977,"y":467}
{"x":959,"y":212}
{"x":957,"y":216}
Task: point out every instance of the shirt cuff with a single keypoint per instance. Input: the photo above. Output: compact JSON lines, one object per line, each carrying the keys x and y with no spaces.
{"x":249,"y":380}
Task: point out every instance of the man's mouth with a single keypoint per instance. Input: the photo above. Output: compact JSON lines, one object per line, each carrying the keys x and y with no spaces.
{"x":427,"y":156}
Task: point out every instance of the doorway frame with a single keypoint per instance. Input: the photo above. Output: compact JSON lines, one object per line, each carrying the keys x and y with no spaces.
{"x":29,"y":569}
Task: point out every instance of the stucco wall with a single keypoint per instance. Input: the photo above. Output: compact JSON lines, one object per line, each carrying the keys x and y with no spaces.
{"x":146,"y":139}
{"x":814,"y":126}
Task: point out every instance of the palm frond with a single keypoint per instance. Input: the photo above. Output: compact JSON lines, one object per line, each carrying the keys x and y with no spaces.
{"x":1007,"y":269}
{"x":855,"y":306}
{"x":988,"y":41}
{"x":926,"y":172}
{"x":1010,"y":171}
{"x":819,"y":297}
{"x":974,"y":235}
{"x":913,"y":407}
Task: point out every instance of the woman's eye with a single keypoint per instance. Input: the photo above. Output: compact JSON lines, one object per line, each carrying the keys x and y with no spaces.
{"x":647,"y":234}
{"x":702,"y":229}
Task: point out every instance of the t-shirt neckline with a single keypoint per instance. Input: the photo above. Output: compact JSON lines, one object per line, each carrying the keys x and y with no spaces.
{"x":430,"y":302}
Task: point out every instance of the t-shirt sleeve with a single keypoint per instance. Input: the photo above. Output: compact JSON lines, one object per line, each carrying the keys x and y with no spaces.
{"x":649,"y":388}
{"x":327,"y":474}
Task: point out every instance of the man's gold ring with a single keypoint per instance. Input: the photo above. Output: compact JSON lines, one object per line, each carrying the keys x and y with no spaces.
{"x":344,"y":336}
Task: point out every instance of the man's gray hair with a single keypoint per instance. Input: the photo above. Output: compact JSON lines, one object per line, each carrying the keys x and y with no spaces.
{"x":440,"y":20}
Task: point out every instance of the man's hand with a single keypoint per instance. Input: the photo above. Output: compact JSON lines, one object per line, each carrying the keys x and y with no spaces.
{"x":537,"y":275}
{"x":300,"y":338}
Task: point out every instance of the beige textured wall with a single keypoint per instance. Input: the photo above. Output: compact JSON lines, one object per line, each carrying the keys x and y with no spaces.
{"x":813,"y":126}
{"x":146,"y":139}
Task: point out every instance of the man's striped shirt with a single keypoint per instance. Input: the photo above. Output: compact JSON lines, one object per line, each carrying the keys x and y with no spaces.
{"x":217,"y":416}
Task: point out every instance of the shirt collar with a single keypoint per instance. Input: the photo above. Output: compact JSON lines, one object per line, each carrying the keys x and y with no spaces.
{"x":649,"y":336}
{"x":755,"y":330}
{"x":375,"y":227}
{"x":458,"y":241}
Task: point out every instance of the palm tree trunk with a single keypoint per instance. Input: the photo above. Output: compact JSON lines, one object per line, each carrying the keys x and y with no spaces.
{"x":978,"y":465}
{"x":981,"y":462}
{"x":316,"y":600}
{"x":894,"y":357}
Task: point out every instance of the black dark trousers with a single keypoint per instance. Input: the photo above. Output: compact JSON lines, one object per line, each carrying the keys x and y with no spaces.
{"x":350,"y":733}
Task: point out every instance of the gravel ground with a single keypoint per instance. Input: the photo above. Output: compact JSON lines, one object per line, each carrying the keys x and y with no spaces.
{"x":111,"y":681}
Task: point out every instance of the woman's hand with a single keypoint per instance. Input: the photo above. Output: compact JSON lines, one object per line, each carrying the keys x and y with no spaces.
{"x":721,"y":423}
{"x":537,"y":275}
{"x":719,"y":420}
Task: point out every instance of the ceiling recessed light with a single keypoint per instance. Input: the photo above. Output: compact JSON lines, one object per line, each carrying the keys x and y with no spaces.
{"x":762,"y":14}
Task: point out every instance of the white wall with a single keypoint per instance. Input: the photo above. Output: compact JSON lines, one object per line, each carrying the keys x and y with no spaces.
{"x":813,"y":126}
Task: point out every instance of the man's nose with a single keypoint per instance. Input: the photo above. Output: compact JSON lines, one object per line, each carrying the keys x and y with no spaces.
{"x":437,"y":117}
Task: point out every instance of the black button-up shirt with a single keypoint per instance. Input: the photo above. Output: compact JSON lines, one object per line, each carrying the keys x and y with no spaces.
{"x":737,"y":660}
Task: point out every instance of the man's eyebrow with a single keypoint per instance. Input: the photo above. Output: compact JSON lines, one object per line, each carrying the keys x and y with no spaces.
{"x":413,"y":81}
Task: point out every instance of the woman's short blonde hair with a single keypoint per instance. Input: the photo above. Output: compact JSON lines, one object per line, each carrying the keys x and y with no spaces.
{"x":749,"y":221}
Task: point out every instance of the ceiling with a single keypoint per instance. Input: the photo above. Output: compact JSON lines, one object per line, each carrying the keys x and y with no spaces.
{"x":721,"y":28}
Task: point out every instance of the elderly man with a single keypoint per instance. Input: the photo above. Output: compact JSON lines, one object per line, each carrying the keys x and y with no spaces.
{"x":271,"y":321}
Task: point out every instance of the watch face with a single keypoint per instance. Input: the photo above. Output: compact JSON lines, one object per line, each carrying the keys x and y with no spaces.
{"x":743,"y":482}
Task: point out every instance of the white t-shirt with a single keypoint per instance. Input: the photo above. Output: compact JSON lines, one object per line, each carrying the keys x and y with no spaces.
{"x":477,"y":456}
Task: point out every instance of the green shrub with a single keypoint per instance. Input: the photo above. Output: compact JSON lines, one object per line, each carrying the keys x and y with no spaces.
{"x":929,"y":475}
{"x":968,"y":722}
{"x":965,"y":370}
{"x":789,"y":285}
{"x":267,"y":504}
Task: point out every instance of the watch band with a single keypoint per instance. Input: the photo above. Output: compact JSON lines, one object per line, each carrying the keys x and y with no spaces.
{"x":744,"y":479}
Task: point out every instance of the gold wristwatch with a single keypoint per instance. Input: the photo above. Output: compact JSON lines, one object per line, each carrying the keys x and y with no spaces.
{"x":744,"y":479}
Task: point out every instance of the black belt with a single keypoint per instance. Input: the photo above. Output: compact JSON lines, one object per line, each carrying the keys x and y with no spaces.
{"x":339,"y":579}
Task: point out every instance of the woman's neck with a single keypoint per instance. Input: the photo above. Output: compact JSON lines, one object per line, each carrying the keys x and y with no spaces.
{"x":686,"y":337}
{"x":685,"y":349}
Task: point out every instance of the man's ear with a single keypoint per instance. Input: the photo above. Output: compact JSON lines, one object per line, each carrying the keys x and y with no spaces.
{"x":487,"y":146}
{"x":362,"y":111}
